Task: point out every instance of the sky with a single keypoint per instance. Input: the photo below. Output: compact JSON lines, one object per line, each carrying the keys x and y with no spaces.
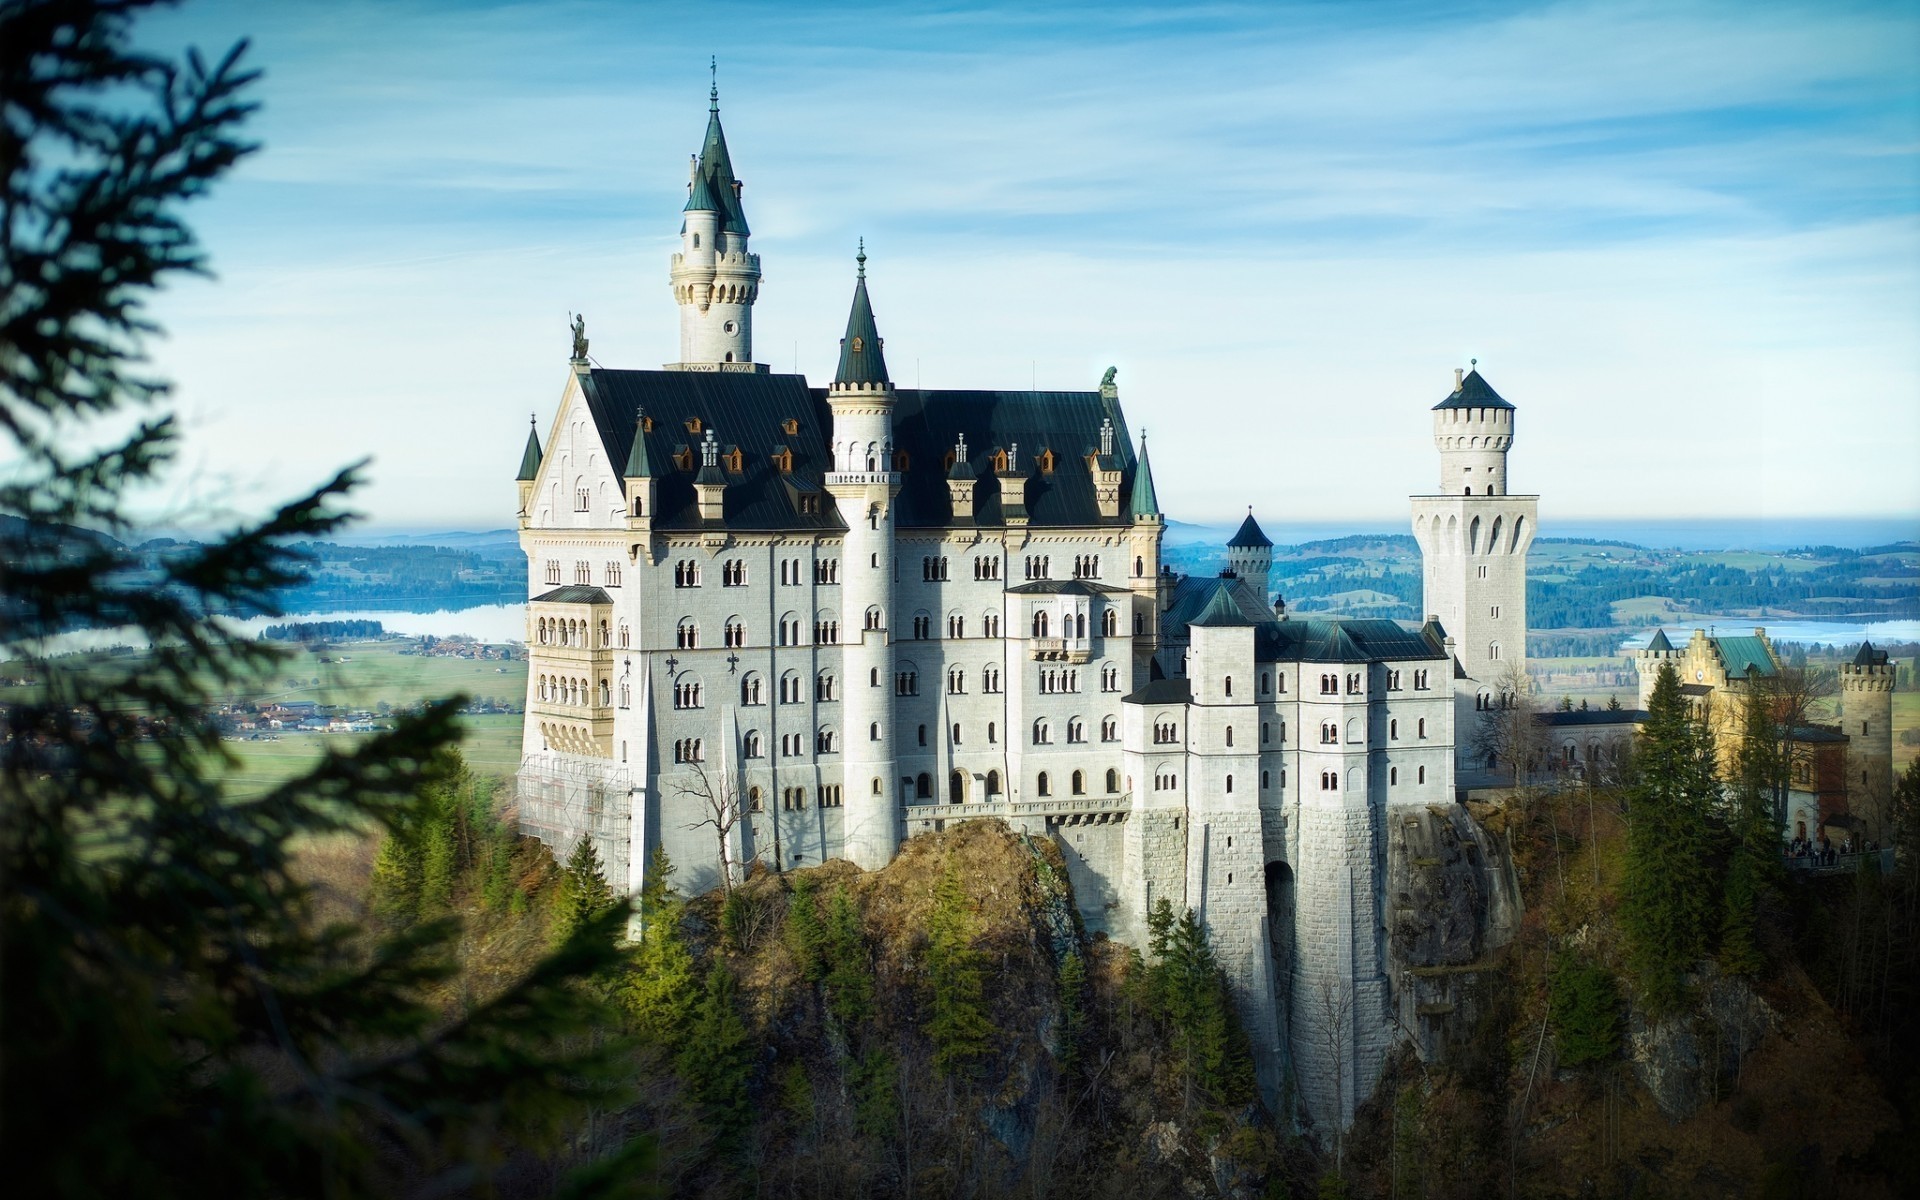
{"x":1682,"y":238}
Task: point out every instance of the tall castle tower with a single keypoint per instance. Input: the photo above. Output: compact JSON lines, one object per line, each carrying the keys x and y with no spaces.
{"x":1866,"y":717}
{"x":715,"y":279}
{"x":1474,"y":538}
{"x":863,"y":484}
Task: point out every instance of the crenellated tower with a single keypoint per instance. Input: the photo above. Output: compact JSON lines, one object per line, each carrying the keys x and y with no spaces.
{"x":863,"y":484}
{"x":1250,"y":556}
{"x":1474,"y":536}
{"x":1866,"y":717}
{"x":715,"y":278}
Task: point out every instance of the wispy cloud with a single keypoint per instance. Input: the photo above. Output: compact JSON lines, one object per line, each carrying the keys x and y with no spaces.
{"x":1689,"y":222}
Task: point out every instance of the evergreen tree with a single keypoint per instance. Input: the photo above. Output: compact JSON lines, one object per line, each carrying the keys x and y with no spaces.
{"x":1668,"y":907}
{"x":439,"y":856}
{"x":716,"y":1060}
{"x":660,"y":988}
{"x":849,"y":977}
{"x":1073,"y":1012}
{"x":959,"y":1024}
{"x":393,"y":891}
{"x":1159,"y":927}
{"x":1756,"y":838}
{"x":583,"y":894}
{"x":178,"y":1022}
{"x":1584,"y":1007}
{"x":804,"y":932}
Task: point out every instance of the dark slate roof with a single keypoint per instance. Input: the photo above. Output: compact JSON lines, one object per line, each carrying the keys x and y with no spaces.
{"x":574,"y":593}
{"x":1867,"y":656}
{"x":1659,"y":641}
{"x":1064,"y":587}
{"x":1741,"y":653}
{"x":713,"y":187}
{"x":927,"y":424}
{"x":1141,"y":499}
{"x":1302,"y":639}
{"x":747,"y":410}
{"x":1162,"y":691}
{"x":1250,"y":536}
{"x":1222,"y":610}
{"x":861,"y":359}
{"x":1592,"y":716}
{"x":1473,"y":392}
{"x":530,"y":458}
{"x":743,"y":409}
{"x":1815,"y":734}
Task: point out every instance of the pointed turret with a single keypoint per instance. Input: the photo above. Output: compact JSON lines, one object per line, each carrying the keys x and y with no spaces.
{"x":639,"y":465}
{"x":715,"y":278}
{"x":529,"y":467}
{"x":862,"y":363}
{"x":530,"y":457}
{"x":714,"y":188}
{"x":639,"y":477}
{"x":1144,"y":502}
{"x":1250,"y":555}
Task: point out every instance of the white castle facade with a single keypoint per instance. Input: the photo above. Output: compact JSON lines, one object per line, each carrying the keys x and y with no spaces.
{"x":778,"y":623}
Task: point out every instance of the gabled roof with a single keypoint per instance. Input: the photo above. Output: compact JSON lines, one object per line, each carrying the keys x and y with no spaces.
{"x":1473,"y":392}
{"x":747,"y":410}
{"x":1162,"y":691}
{"x":530,"y":458}
{"x":861,"y":360}
{"x":1221,"y":610}
{"x":1659,"y":641}
{"x":714,"y":186}
{"x":1250,"y":536}
{"x":1867,"y":656}
{"x":1741,"y":653}
{"x":1299,"y":639}
{"x":1142,"y":501}
{"x":1064,"y":587}
{"x":574,"y":593}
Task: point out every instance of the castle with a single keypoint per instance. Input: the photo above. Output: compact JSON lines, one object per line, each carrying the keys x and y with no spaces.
{"x":776,"y":623}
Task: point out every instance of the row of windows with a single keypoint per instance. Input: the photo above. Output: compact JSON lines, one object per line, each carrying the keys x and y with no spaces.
{"x":1356,"y":682}
{"x":557,"y":689}
{"x":794,"y":799}
{"x":1076,"y":730}
{"x":1330,"y":780}
{"x":583,"y":573}
{"x":570,"y":631}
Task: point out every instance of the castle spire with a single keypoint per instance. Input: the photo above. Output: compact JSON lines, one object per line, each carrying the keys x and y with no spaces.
{"x":861,"y":360}
{"x":530,"y":457}
{"x":1144,"y":502}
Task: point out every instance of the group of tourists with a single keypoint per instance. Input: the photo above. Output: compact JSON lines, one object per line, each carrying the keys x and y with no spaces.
{"x":1823,"y":852}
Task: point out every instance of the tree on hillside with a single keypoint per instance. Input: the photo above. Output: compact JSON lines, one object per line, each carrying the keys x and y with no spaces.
{"x":178,"y":1021}
{"x":584,"y":894}
{"x":1508,"y":735}
{"x":1755,"y":834}
{"x":660,"y":985}
{"x":1668,"y":907}
{"x":959,"y":1024}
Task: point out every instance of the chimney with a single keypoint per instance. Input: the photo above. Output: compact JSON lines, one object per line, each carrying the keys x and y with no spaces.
{"x":1459,"y":379}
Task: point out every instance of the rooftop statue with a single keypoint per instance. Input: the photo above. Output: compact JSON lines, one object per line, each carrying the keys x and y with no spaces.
{"x":579,"y":337}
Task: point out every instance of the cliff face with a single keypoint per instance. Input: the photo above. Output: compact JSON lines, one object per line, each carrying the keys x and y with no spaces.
{"x":1453,"y":904}
{"x":1087,"y":1077}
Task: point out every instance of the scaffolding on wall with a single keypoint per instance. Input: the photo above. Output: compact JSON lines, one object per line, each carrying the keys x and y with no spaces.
{"x":563,"y":798}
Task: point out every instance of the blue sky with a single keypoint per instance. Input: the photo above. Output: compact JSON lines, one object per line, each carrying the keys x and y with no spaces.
{"x":1682,"y":238}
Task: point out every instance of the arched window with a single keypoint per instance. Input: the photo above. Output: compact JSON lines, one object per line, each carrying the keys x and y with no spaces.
{"x":993,"y":783}
{"x":824,"y":688}
{"x":923,"y":786}
{"x":1422,"y":776}
{"x":1109,"y":622}
{"x":873,"y":732}
{"x":1113,"y":781}
{"x":1043,"y":786}
{"x":1040,"y":624}
{"x":1266,"y":779}
{"x":1229,"y":735}
{"x":993,"y":733}
{"x":735,"y":633}
{"x":687,"y":636}
{"x":1393,"y":730}
{"x":1080,"y":783}
{"x":1041,"y":734}
{"x":1109,"y":729}
{"x":1422,"y":728}
{"x":1229,"y":785}
{"x":1393,"y":776}
{"x":750,"y":744}
{"x":750,"y":691}
{"x":1076,"y":730}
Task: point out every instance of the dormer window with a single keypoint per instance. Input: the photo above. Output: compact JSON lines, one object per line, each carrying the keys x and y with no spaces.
{"x":736,"y":461}
{"x":1000,"y":460}
{"x":899,"y":460}
{"x":789,"y":427}
{"x":1046,"y":462}
{"x":683,"y":458}
{"x":858,"y":343}
{"x":783,"y":462}
{"x":693,"y":425}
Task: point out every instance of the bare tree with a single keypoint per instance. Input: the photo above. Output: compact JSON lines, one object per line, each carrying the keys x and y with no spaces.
{"x":1791,"y":698}
{"x":1336,"y":1021}
{"x":1507,"y":733}
{"x":718,"y":794}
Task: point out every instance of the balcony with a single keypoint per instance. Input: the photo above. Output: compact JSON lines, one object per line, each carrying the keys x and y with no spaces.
{"x":863,"y":479}
{"x":1052,"y":649}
